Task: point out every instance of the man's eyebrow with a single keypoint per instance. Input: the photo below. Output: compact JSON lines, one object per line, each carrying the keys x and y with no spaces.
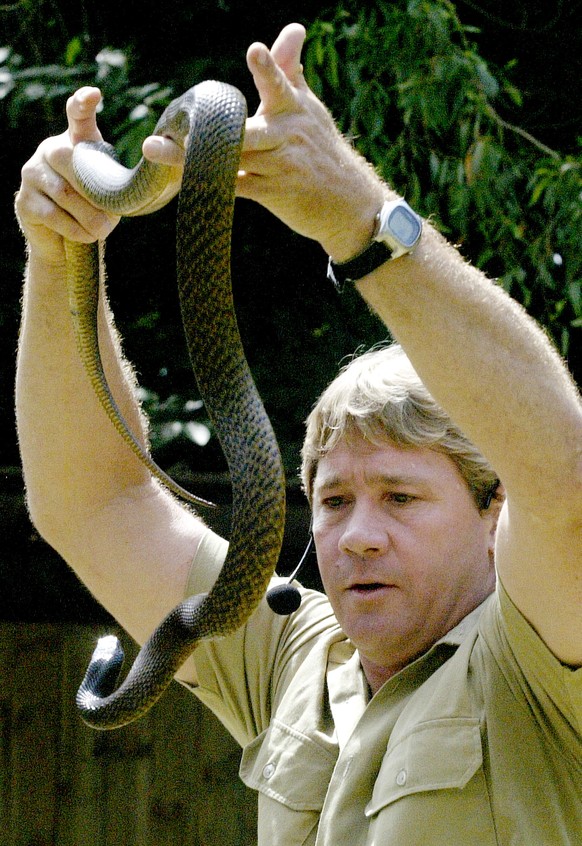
{"x":390,"y":480}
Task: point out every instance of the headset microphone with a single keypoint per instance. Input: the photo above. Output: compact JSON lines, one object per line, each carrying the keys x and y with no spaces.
{"x":285,"y":599}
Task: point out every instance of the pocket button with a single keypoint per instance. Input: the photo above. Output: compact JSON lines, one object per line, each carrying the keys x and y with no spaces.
{"x":268,"y":770}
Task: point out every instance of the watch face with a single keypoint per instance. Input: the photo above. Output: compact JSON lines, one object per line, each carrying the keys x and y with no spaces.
{"x":404,"y":225}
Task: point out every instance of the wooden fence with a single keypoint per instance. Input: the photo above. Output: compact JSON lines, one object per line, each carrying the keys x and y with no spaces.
{"x":170,"y":778}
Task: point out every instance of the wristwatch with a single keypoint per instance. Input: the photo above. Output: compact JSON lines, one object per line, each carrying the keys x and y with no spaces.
{"x":397,"y":231}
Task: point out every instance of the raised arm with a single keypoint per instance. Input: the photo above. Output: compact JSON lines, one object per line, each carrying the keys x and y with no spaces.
{"x":495,"y":372}
{"x":128,"y":540}
{"x":478,"y":352}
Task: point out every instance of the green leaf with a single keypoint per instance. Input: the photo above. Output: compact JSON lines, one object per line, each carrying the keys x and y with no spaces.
{"x":73,"y":50}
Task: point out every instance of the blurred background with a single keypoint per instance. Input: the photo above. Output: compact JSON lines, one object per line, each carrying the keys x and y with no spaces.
{"x":470,"y":109}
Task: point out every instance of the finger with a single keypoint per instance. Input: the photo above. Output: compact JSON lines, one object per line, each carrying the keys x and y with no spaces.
{"x":48,"y":199}
{"x":272,"y":85}
{"x":85,"y":229}
{"x":286,"y":51}
{"x":257,"y":143}
{"x":249,"y":186}
{"x":277,"y":84}
{"x":259,"y":135}
{"x":42,"y":218}
{"x":82,"y":115}
{"x":164,"y":151}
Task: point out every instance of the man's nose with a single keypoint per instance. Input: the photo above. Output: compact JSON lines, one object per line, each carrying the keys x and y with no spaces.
{"x":364,"y":534}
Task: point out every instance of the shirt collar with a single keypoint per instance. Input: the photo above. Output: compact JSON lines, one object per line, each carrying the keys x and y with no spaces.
{"x":458,"y":633}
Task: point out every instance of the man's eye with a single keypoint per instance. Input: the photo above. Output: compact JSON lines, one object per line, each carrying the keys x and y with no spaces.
{"x":334,"y":501}
{"x":401,"y":498}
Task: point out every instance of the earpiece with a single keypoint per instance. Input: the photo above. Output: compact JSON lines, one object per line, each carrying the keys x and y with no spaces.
{"x":285,"y":599}
{"x":490,"y":494}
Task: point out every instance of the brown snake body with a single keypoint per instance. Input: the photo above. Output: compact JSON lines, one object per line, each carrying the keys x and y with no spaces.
{"x":212,"y":115}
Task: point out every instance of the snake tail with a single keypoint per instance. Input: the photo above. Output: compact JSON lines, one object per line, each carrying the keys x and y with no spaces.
{"x":85,"y":262}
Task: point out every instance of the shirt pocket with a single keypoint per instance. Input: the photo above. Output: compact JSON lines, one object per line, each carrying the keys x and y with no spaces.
{"x":431,"y":788}
{"x":291,"y":773}
{"x":289,"y":766}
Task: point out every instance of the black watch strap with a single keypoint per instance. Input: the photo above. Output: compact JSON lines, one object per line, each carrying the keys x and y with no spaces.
{"x":365,"y":262}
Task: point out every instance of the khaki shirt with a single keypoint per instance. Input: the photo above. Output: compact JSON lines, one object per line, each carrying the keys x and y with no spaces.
{"x":476,"y":743}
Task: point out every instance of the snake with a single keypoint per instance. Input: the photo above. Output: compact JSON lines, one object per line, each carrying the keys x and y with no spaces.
{"x":208,"y":122}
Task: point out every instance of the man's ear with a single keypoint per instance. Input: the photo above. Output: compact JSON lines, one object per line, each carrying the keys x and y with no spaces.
{"x":493,"y":511}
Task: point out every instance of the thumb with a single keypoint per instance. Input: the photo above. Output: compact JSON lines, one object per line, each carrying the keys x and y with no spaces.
{"x":278,"y":72}
{"x":82,"y":115}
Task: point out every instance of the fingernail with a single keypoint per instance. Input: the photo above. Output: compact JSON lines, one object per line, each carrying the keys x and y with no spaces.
{"x":155,"y":144}
{"x":263,"y":57}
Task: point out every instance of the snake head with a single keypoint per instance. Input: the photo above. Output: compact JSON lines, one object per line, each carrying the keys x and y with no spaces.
{"x":180,"y":128}
{"x":176,"y":120}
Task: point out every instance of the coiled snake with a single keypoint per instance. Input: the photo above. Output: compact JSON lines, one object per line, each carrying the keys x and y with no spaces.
{"x":211,"y":116}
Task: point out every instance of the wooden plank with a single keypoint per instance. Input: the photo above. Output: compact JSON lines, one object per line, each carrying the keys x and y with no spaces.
{"x":34,"y":735}
{"x":7,"y":658}
{"x":79,"y":819}
{"x":169,"y":779}
{"x":123,"y":758}
{"x":173,"y":800}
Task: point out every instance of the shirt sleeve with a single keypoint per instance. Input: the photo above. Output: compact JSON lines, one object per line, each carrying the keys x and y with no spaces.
{"x":553,"y":690}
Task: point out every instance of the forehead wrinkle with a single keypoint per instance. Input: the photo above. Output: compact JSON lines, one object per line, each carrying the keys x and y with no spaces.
{"x":386,"y":479}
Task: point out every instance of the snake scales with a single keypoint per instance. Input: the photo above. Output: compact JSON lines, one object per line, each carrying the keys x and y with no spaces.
{"x":211,"y":117}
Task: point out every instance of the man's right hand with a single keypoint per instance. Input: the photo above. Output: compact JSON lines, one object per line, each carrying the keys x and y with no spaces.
{"x":48,"y":206}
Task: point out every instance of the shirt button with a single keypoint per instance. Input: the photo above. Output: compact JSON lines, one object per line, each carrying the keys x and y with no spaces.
{"x":268,"y":770}
{"x":401,"y":778}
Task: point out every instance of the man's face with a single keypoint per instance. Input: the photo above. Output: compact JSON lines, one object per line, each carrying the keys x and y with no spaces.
{"x":403,"y":551}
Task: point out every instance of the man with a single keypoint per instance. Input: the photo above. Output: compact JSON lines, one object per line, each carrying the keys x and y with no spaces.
{"x":424,"y":708}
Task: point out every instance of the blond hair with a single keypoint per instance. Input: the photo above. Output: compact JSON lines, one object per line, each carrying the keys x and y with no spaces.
{"x":379,"y":396}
